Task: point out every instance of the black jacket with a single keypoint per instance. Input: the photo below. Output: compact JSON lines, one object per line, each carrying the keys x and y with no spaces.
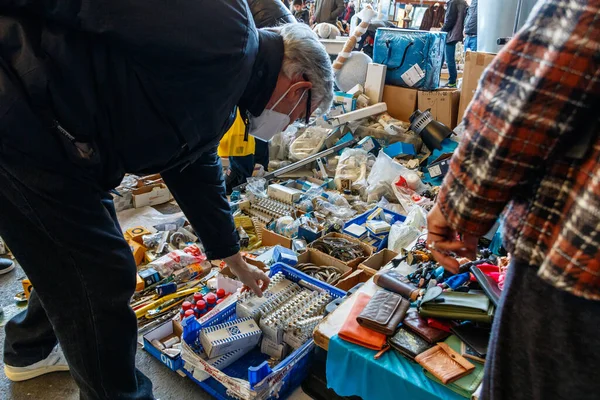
{"x":152,"y":86}
{"x":302,"y":16}
{"x":471,"y":19}
{"x":454,"y":20}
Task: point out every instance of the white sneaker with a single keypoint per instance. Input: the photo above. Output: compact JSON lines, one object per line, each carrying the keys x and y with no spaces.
{"x":56,"y":361}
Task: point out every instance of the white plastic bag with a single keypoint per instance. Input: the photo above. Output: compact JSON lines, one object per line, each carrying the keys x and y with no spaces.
{"x":402,"y":236}
{"x":353,"y":165}
{"x":417,"y":218}
{"x":309,"y":143}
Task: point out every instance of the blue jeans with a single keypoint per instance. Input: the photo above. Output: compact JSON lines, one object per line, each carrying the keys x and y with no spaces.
{"x":470,"y":43}
{"x":62,"y":228}
{"x":451,"y":61}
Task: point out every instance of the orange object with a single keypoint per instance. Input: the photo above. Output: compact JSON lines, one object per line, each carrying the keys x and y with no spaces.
{"x":139,"y":283}
{"x":354,"y":333}
{"x":138,"y":251}
{"x":27,"y":287}
{"x":136,"y":234}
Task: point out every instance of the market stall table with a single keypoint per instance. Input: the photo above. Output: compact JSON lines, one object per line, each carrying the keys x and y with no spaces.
{"x":352,"y":370}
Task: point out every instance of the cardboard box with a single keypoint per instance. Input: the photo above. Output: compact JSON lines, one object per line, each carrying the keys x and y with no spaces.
{"x":443,"y":104}
{"x":353,"y":279}
{"x":136,"y":234}
{"x":377,"y":261}
{"x":401,"y":102}
{"x":475,"y":64}
{"x":375,"y":82}
{"x":440,"y":166}
{"x":270,"y":238}
{"x":368,"y":250}
{"x":162,"y":333}
{"x":139,"y":283}
{"x":316,"y":257}
{"x":151,"y":195}
{"x":149,"y":180}
{"x":138,"y":251}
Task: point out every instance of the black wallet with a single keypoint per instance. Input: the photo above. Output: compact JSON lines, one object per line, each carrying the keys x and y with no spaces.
{"x":476,"y":337}
{"x":408,"y":343}
{"x":489,"y":286}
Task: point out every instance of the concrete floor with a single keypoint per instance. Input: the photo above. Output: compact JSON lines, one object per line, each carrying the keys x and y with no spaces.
{"x":59,"y":385}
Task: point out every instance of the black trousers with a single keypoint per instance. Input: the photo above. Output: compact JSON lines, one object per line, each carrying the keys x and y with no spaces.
{"x":545,"y":343}
{"x":64,"y":233}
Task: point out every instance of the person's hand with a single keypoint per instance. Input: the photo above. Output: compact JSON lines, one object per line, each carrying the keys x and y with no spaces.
{"x":444,"y":244}
{"x":252,"y":277}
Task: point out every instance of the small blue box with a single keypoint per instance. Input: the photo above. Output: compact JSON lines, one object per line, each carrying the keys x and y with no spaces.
{"x":398,"y":148}
{"x":286,"y":256}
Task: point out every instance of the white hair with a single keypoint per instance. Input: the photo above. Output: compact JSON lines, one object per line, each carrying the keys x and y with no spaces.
{"x":304,"y":55}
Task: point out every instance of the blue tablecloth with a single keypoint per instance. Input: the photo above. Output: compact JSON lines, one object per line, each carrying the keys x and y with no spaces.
{"x":352,"y":371}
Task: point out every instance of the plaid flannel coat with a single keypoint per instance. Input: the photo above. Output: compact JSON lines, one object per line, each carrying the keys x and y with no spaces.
{"x":534,"y":103}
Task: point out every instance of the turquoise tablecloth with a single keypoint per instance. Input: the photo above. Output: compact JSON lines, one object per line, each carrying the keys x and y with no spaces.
{"x":352,"y":371}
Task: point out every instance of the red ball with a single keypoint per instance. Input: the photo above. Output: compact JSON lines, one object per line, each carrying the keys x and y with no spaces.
{"x":188,"y":313}
{"x":201,"y":305}
{"x":211,"y":298}
{"x":221,"y":293}
{"x":198,"y":297}
{"x":186,"y":306}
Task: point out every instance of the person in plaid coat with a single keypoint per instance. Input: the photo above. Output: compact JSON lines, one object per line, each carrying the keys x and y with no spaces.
{"x":532,"y":154}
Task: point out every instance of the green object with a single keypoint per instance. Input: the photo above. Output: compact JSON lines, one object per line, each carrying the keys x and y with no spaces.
{"x":458,"y":305}
{"x":466,"y":385}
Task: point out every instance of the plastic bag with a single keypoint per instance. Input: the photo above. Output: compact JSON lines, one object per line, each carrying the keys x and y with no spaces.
{"x":326,"y":208}
{"x":177,"y":259}
{"x":408,"y":197}
{"x":387,"y":170}
{"x":402,"y":236}
{"x":284,"y":226}
{"x":394,"y":207}
{"x":417,"y":218}
{"x":352,"y":166}
{"x":309,"y":143}
{"x":279,"y":145}
{"x":257,"y":187}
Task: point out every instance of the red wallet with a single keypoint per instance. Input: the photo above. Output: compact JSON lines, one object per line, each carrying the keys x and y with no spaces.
{"x":354,"y":333}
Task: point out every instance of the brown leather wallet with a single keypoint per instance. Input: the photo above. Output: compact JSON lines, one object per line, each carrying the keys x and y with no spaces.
{"x":417,"y":324}
{"x":354,"y":333}
{"x":384,"y":313}
{"x":444,"y":363}
{"x":396,"y":282}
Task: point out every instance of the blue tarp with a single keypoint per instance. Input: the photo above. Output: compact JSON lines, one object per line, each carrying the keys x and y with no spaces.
{"x":352,"y":371}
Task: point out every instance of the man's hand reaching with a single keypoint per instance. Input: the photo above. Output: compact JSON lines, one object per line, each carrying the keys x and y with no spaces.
{"x":444,"y":244}
{"x":251,"y":276}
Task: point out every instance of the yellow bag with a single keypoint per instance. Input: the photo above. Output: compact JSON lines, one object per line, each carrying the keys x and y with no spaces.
{"x":233,"y":143}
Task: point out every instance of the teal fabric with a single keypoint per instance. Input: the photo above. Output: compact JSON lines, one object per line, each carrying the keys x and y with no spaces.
{"x":352,"y":371}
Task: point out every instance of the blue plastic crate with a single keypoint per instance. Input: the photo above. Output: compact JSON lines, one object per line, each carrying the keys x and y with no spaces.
{"x":362,"y":218}
{"x":264,"y":382}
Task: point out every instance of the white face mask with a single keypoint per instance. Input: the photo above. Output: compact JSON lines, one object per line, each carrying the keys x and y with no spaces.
{"x":271,"y":122}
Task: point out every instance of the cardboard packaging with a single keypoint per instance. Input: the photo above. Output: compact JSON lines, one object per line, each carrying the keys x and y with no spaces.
{"x":401,"y":102}
{"x":353,"y":279}
{"x":375,"y":82}
{"x":230,"y":336}
{"x":377,"y":261}
{"x":440,"y":166}
{"x":443,"y":104}
{"x":138,"y":251}
{"x":151,"y":195}
{"x":367,"y":249}
{"x":136,"y":234}
{"x":316,"y":257}
{"x":162,"y":333}
{"x":475,"y":64}
{"x":270,"y":238}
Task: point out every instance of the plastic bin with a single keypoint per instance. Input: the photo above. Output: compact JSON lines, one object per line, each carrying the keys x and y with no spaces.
{"x":362,"y":218}
{"x":251,"y":377}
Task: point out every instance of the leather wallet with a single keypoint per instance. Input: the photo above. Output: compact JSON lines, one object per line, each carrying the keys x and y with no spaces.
{"x":456,"y":305}
{"x":396,"y":282}
{"x":489,"y":285}
{"x":476,"y":337}
{"x":468,"y":384}
{"x":354,"y":333}
{"x":384,"y":313}
{"x":408,"y":343}
{"x":444,"y":363}
{"x":417,"y":324}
